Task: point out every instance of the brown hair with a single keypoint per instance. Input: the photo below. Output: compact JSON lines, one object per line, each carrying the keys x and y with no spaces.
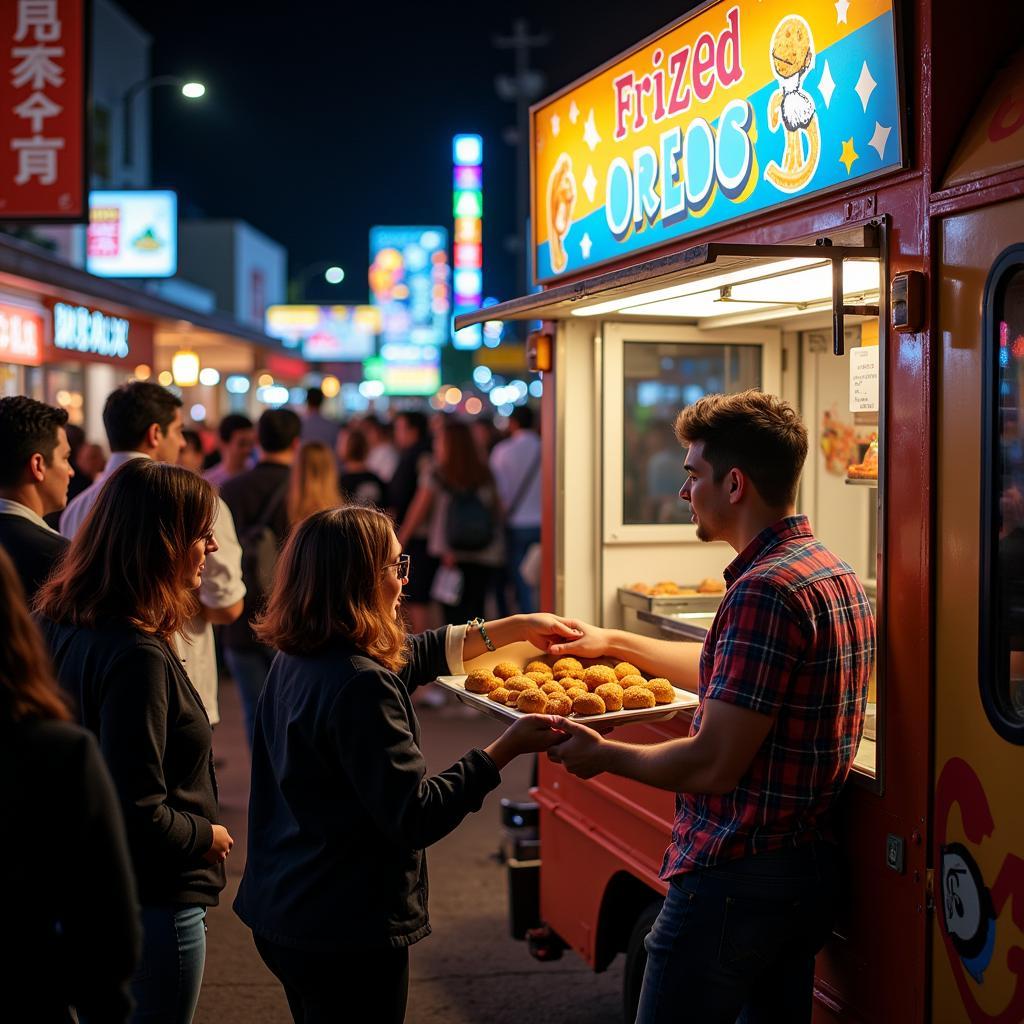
{"x":462,"y":468}
{"x":27,"y":686}
{"x":327,"y":587}
{"x":356,"y":447}
{"x":760,"y":434}
{"x":129,"y":559}
{"x":314,"y":482}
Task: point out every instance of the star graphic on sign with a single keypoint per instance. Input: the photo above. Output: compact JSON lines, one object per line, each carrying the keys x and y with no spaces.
{"x":841,"y":6}
{"x":865,"y":86}
{"x":555,"y":124}
{"x":574,"y":112}
{"x":849,"y":154}
{"x":585,"y":245}
{"x":589,"y":183}
{"x":879,"y":139}
{"x":590,"y":136}
{"x":826,"y":85}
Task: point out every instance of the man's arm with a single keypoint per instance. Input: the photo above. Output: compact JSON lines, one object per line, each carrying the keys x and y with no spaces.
{"x":675,"y":660}
{"x":711,"y":762}
{"x":224,"y":616}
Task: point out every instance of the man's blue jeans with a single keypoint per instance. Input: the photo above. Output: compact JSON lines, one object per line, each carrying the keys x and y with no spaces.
{"x":737,"y":942}
{"x":249,"y":670}
{"x":517,"y":541}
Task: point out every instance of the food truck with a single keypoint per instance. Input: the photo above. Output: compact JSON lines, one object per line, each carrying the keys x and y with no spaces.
{"x":825,"y":201}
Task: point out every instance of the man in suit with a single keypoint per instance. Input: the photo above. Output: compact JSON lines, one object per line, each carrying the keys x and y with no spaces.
{"x":35,"y":470}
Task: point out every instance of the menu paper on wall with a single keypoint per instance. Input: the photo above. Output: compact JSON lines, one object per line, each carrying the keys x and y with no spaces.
{"x":733,"y":111}
{"x":864,"y":365}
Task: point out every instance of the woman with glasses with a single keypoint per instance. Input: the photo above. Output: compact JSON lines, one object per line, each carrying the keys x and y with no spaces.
{"x":341,"y":806}
{"x":110,"y":613}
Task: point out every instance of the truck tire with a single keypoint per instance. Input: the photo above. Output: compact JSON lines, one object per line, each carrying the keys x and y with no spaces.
{"x":636,"y":960}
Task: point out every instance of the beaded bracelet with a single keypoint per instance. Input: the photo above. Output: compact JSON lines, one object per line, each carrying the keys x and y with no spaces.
{"x":479,"y":624}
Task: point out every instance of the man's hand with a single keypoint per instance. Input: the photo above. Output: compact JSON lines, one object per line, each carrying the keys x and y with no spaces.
{"x":583,"y":753}
{"x":544,"y":630}
{"x":220,"y":847}
{"x":530,"y":734}
{"x":587,"y":641}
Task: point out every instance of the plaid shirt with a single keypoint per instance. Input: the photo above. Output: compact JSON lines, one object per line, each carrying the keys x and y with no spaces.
{"x":794,"y":638}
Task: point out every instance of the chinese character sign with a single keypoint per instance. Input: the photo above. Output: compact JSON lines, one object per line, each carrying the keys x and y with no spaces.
{"x":42,"y":110}
{"x":410,"y":283}
{"x":734,"y":111}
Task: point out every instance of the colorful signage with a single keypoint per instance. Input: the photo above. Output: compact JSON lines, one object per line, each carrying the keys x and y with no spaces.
{"x":409,"y":283}
{"x":417,"y":377}
{"x":82,"y":330}
{"x":468,"y":253}
{"x":42,"y":115}
{"x":21,"y":335}
{"x":326,"y":333}
{"x":132,"y":234}
{"x":732,"y":112}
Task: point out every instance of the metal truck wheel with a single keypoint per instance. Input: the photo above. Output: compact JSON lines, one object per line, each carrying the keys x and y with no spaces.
{"x":636,"y":960}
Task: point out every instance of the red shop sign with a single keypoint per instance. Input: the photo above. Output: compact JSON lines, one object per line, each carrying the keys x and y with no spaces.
{"x":21,"y":336}
{"x":42,"y":110}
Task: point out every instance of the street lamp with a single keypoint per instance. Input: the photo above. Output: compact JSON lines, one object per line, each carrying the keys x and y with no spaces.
{"x":332,"y":274}
{"x":190,"y":90}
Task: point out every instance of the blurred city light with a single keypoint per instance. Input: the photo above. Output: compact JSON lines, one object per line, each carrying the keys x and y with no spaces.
{"x":453,"y":396}
{"x":536,"y":388}
{"x":185,"y":368}
{"x":265,"y":380}
{"x":209,"y":376}
{"x":272,"y":394}
{"x":197,"y":412}
{"x":143,"y":371}
{"x":166,"y":378}
{"x":482,"y":375}
{"x":473,"y":405}
{"x":193,"y":90}
{"x":371,"y":388}
{"x":236,"y":384}
{"x":467,"y":150}
{"x":334,"y":275}
{"x":330,"y":386}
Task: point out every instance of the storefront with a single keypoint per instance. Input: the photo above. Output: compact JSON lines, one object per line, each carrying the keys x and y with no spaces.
{"x":760,"y":196}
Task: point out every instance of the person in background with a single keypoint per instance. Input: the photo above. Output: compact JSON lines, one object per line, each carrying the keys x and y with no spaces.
{"x":382,"y":458}
{"x":459,"y":476}
{"x":359,"y":484}
{"x":257,"y":499}
{"x":314,"y":482}
{"x":783,"y":680}
{"x":35,"y":469}
{"x":109,"y":615}
{"x":485,"y":436}
{"x":93,"y":460}
{"x":341,"y":806}
{"x":515,"y":464}
{"x":142,"y":421}
{"x":413,"y":441}
{"x":84,"y":466}
{"x":316,"y":426}
{"x":237,"y":443}
{"x":74,"y":901}
{"x":192,"y":457}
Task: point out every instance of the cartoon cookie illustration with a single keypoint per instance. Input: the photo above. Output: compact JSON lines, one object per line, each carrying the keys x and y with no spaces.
{"x":792,"y":109}
{"x":561,"y":201}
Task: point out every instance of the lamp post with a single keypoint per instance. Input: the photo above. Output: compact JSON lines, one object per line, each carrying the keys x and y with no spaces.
{"x":332,"y":275}
{"x":190,"y":90}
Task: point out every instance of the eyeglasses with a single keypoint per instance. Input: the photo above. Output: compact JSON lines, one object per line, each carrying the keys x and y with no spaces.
{"x":401,"y":567}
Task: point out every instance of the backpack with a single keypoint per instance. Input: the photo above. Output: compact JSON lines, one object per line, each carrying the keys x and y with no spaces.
{"x":260,"y":545}
{"x":469,"y":525}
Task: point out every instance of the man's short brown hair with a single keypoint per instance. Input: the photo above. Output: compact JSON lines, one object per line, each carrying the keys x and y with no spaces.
{"x":760,"y":434}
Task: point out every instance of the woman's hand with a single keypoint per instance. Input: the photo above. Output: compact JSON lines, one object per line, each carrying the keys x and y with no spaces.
{"x":220,"y":847}
{"x":587,"y":641}
{"x":543,"y":630}
{"x":530,"y":734}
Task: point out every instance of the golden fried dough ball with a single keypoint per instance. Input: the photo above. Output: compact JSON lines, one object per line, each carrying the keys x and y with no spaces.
{"x":520,"y":683}
{"x":505,"y":670}
{"x":637,"y":697}
{"x":566,"y":665}
{"x":633,"y":680}
{"x":481,"y":681}
{"x":513,"y":697}
{"x":588,"y":704}
{"x":711,"y":585}
{"x":559,"y":704}
{"x":598,"y":674}
{"x":662,"y":690}
{"x":665,"y":589}
{"x":640,"y":588}
{"x":574,"y":678}
{"x":552,"y":687}
{"x":539,"y":666}
{"x":540,"y":678}
{"x":611,"y":694}
{"x":499,"y":696}
{"x":624,"y":668}
{"x":576,"y":691}
{"x":533,"y":702}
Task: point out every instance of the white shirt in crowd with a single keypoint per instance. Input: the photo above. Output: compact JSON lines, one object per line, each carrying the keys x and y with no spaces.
{"x":515,"y":464}
{"x":383,"y":460}
{"x":81,"y":505}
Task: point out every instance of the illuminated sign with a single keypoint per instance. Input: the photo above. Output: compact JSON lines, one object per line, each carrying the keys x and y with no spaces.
{"x":736,"y":110}
{"x":409,"y":283}
{"x":132,"y":234}
{"x":80,"y":329}
{"x":419,"y":377}
{"x":468,"y":255}
{"x":21,"y":336}
{"x":326,"y":333}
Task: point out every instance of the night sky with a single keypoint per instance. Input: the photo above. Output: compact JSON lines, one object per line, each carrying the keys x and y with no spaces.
{"x":333,"y":116}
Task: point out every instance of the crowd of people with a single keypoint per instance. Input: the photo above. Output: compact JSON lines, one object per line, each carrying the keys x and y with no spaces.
{"x":108,"y":701}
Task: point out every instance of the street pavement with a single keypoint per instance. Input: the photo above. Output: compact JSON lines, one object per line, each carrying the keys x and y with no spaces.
{"x":469,"y":971}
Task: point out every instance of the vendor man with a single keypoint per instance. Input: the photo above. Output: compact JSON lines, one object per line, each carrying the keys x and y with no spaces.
{"x":753,"y":867}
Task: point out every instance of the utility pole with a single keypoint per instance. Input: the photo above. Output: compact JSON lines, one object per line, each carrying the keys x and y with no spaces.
{"x":521,"y":88}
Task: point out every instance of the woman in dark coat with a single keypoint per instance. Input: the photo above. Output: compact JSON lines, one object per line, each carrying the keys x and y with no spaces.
{"x":341,"y":806}
{"x":70,"y":892}
{"x":109,"y":614}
